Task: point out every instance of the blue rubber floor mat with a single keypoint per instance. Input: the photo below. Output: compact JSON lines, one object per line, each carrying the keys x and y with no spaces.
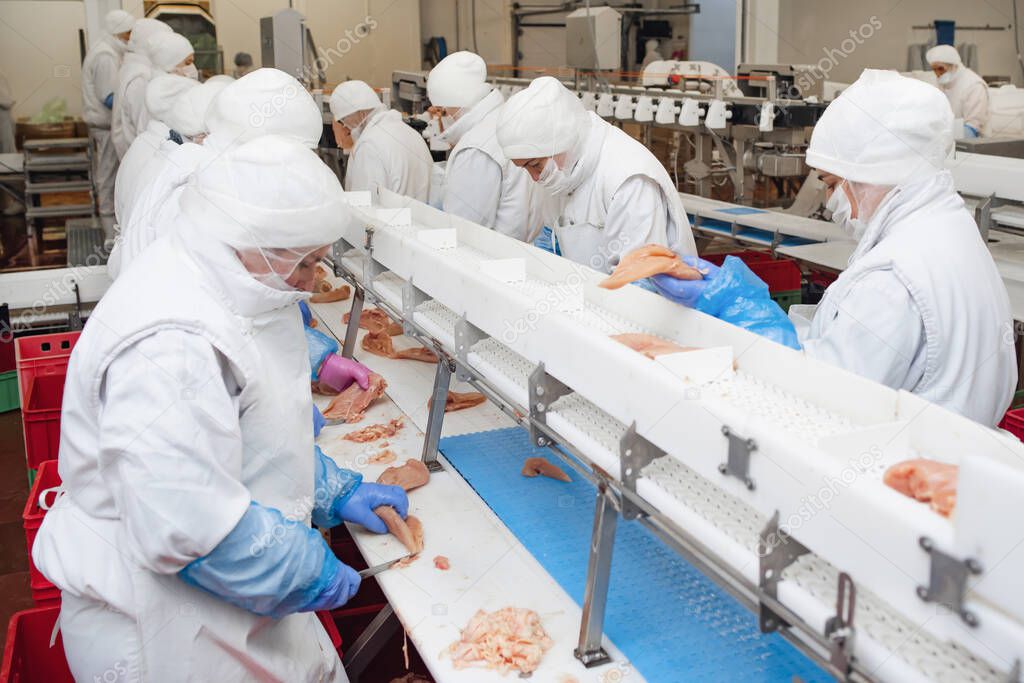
{"x":672,"y":622}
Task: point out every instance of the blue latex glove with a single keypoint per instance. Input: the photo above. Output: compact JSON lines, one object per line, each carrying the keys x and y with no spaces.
{"x":360,"y":505}
{"x":318,"y":422}
{"x":108,"y":101}
{"x":686,"y":292}
{"x":971,"y":132}
{"x":736,"y":296}
{"x":320,"y":346}
{"x":334,"y":486}
{"x":546,"y":241}
{"x":307,"y":315}
{"x":273,"y":566}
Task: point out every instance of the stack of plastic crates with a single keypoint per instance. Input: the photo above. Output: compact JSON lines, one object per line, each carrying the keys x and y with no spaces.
{"x":781,"y":275}
{"x":43,"y":494}
{"x":28,"y":656}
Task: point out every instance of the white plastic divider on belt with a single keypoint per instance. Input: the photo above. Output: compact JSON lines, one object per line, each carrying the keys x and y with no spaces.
{"x":814,"y":425}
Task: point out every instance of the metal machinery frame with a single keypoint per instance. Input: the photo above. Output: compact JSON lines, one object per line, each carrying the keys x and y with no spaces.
{"x":367,"y":269}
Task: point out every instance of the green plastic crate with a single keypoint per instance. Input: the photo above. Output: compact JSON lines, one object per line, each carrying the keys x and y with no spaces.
{"x":787,"y":298}
{"x":9,"y":391}
{"x":31,"y":478}
{"x":1018,"y":399}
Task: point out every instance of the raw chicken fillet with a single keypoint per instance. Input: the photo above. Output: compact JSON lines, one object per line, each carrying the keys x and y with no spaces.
{"x":374,"y":432}
{"x":650,"y":345}
{"x":927,"y":481}
{"x":351,"y":404}
{"x":646,"y":261}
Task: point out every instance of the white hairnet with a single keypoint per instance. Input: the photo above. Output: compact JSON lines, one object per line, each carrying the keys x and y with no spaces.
{"x":265,"y":102}
{"x":188,"y":115}
{"x":542,"y":120}
{"x":118,"y":21}
{"x":167,"y":50}
{"x":459,"y":80}
{"x":885,"y":129}
{"x":142,"y":31}
{"x":352,"y":96}
{"x":270,"y":193}
{"x":943,"y":54}
{"x":163,"y":93}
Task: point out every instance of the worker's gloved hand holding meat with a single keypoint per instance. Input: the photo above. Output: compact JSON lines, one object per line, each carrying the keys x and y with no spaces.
{"x":273,"y":566}
{"x":339,"y":372}
{"x":359,"y":508}
{"x":686,"y":292}
{"x":734,"y":295}
{"x":334,"y":487}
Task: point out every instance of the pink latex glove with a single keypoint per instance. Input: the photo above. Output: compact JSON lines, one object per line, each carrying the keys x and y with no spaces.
{"x":338,"y":372}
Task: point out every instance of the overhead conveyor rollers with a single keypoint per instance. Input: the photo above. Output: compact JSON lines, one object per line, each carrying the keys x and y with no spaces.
{"x":800,"y":442}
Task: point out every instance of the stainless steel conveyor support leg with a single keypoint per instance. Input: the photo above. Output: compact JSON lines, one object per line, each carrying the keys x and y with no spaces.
{"x":435,"y":418}
{"x":595,"y":596}
{"x":352,"y":331}
{"x":368,"y":644}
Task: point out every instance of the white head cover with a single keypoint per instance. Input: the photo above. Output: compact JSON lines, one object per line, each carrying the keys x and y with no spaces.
{"x":142,"y":31}
{"x":167,"y":50}
{"x":542,"y":120}
{"x":459,"y":80}
{"x":353,"y":96}
{"x":270,"y":193}
{"x":265,"y":102}
{"x":885,"y":129}
{"x":163,"y":93}
{"x":943,"y":54}
{"x":188,"y":115}
{"x":118,"y":21}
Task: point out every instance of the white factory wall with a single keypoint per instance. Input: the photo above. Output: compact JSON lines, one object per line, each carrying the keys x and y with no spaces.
{"x":39,"y":53}
{"x":809,"y":29}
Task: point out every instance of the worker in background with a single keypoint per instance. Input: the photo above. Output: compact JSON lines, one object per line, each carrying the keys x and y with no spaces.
{"x":161,"y":159}
{"x":243,"y":64}
{"x":130,"y":96}
{"x":612,"y":194}
{"x":651,"y":53}
{"x":227,"y":120}
{"x":967,"y":91}
{"x":99,"y":81}
{"x":161,"y":94}
{"x":10,"y":207}
{"x":182,"y":542}
{"x":382,"y":150}
{"x":921,"y":306}
{"x":481,"y":184}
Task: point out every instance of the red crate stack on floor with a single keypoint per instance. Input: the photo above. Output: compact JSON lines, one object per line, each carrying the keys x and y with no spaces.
{"x":782,"y":276}
{"x":42,"y":363}
{"x":43,"y":491}
{"x":28,"y":656}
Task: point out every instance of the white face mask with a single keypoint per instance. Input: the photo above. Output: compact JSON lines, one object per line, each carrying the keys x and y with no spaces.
{"x":552,"y":178}
{"x":188,"y":71}
{"x":946,"y":78}
{"x":839,"y":205}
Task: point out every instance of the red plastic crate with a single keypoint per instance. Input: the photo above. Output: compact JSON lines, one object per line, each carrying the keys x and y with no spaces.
{"x":28,"y":657}
{"x":781,"y":275}
{"x":1013,"y":422}
{"x":43,"y":592}
{"x":42,"y":362}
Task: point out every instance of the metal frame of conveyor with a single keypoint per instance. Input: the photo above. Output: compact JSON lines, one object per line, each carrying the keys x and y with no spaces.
{"x":616,"y":492}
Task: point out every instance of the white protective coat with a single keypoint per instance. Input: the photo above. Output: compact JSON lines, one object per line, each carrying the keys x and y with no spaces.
{"x":187,"y":398}
{"x":623,"y":199}
{"x":968,"y":97}
{"x":390,"y":154}
{"x":129,"y":180}
{"x":99,"y":79}
{"x":129,"y":116}
{"x":922,"y":307}
{"x":481,"y":184}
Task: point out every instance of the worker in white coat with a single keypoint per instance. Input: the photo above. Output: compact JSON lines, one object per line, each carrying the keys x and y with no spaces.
{"x":613,"y":195}
{"x":99,"y":81}
{"x":481,"y":183}
{"x":182,"y":542}
{"x":177,"y":129}
{"x":162,"y":93}
{"x":264,"y":102}
{"x":966,"y":91}
{"x":921,"y":305}
{"x":130,"y":96}
{"x":382,"y":150}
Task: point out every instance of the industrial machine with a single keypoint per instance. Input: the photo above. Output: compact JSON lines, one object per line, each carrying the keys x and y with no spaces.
{"x":286,"y":43}
{"x":759,"y":465}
